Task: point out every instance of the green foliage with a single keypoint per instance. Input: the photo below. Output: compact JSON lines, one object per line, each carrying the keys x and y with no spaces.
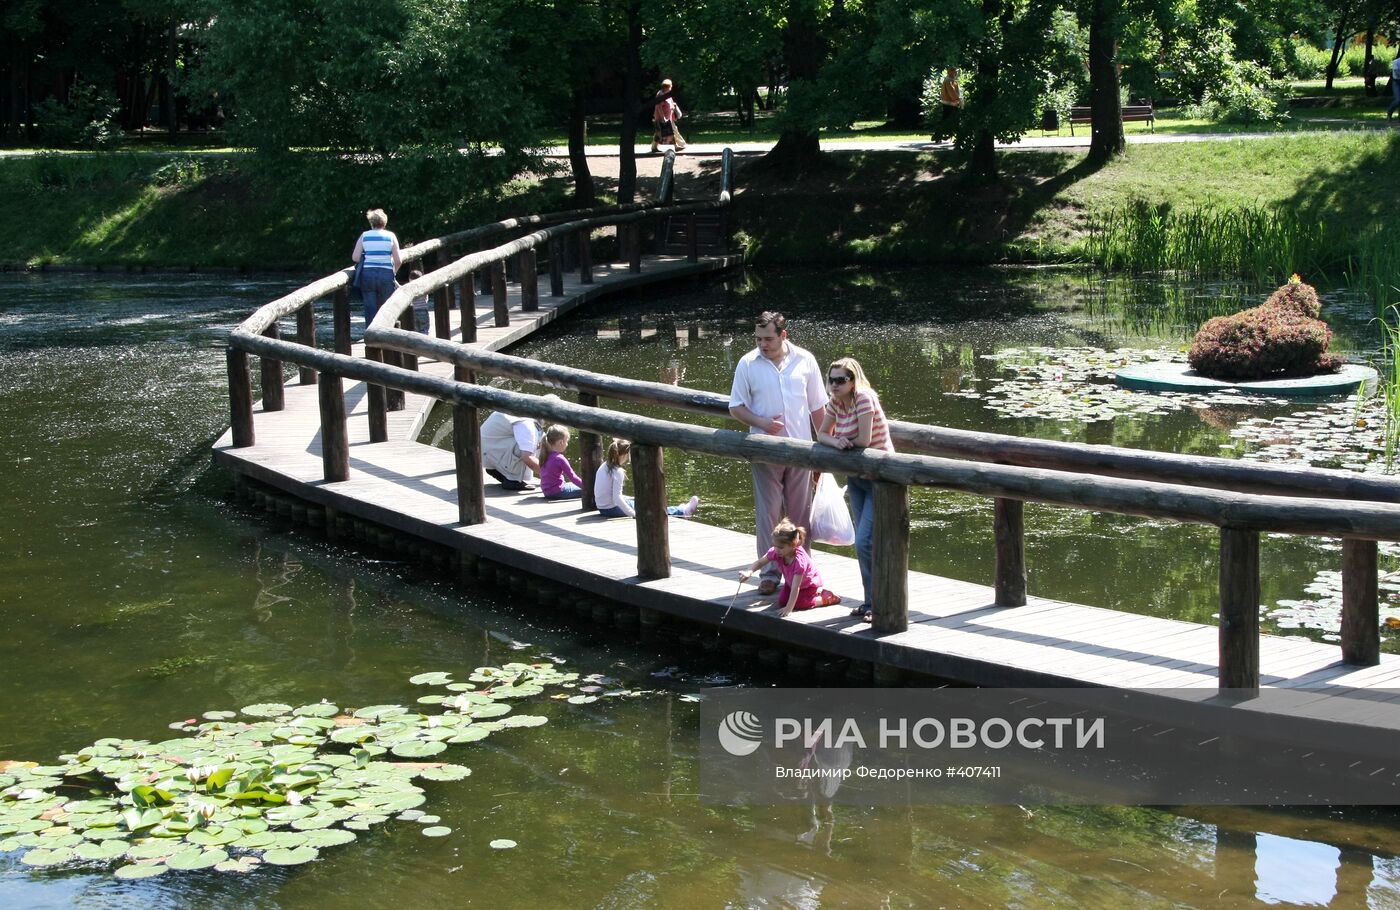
{"x":1243,"y":94}
{"x":88,"y":120}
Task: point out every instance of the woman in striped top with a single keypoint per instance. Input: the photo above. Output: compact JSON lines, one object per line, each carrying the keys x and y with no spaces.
{"x":854,"y":420}
{"x":380,"y":251}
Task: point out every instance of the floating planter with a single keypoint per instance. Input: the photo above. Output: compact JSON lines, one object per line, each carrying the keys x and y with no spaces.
{"x":275,"y":787}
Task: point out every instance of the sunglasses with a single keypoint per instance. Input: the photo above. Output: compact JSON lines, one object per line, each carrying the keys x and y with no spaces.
{"x":838,"y":380}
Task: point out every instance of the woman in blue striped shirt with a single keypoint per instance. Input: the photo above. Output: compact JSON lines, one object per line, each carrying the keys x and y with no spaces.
{"x":380,"y":251}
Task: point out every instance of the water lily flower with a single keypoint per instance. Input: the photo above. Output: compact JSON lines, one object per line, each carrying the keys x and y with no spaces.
{"x":294,"y":798}
{"x":207,"y":810}
{"x":192,"y":774}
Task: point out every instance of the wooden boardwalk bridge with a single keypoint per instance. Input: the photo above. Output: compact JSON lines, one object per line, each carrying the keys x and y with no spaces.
{"x":344,"y":440}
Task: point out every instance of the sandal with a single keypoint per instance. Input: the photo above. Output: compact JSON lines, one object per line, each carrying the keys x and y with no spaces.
{"x":859,"y":612}
{"x":766,"y":587}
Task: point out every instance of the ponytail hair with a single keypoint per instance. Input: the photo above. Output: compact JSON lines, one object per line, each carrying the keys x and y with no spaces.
{"x":552,"y":434}
{"x":787,"y":533}
{"x":618,"y":450}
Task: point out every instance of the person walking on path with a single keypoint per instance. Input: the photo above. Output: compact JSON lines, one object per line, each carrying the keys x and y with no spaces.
{"x":950,"y":102}
{"x":1394,"y":87}
{"x":854,"y":419}
{"x":380,"y":251}
{"x":778,"y":390}
{"x":664,"y":115}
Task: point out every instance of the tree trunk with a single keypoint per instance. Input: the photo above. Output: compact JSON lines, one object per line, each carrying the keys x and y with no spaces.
{"x":1369,"y":67}
{"x":1106,"y":131}
{"x":584,"y":195}
{"x":906,"y":107}
{"x":1336,"y":50}
{"x":982,"y":166}
{"x":631,"y":92}
{"x":167,"y":81}
{"x":798,"y":145}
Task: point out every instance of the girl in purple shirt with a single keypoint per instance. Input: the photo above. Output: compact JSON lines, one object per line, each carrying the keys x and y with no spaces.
{"x":802,"y":583}
{"x":557,"y":477}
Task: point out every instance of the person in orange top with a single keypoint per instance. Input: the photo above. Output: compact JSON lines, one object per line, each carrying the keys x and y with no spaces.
{"x":664,"y":115}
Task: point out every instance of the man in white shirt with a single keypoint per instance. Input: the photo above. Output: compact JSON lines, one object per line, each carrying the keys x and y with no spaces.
{"x":779,"y":390}
{"x":510,"y":449}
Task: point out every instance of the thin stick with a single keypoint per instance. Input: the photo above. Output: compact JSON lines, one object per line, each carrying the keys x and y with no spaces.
{"x":719,"y":628}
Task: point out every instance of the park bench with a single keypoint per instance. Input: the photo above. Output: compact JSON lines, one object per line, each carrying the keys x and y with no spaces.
{"x":1130,"y":112}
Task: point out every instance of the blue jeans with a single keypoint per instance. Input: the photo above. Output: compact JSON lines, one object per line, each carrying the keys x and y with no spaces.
{"x":1395,"y":94}
{"x":615,"y":512}
{"x":568,"y":491}
{"x":375,"y":287}
{"x":862,"y":495}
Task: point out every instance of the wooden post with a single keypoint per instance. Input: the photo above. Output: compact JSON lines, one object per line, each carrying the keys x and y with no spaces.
{"x":335,"y":439}
{"x":1239,"y":609}
{"x":634,"y":247}
{"x":529,"y":280}
{"x":692,"y":237}
{"x":340,"y":320}
{"x":556,"y":267}
{"x":498,"y":294}
{"x":653,"y":537}
{"x":408,"y":321}
{"x":1009,"y":525}
{"x":890,"y":576}
{"x":273,"y":399}
{"x":466,"y":446}
{"x":393,"y":398}
{"x":466,"y":302}
{"x":442,"y":312}
{"x":240,"y":397}
{"x":619,"y":243}
{"x":1361,"y":637}
{"x":891,"y":569}
{"x":306,"y":335}
{"x":378,"y":406}
{"x":590,"y":455}
{"x":585,"y":256}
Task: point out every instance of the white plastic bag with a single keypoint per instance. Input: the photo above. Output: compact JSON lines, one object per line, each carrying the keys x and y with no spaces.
{"x":831,"y":520}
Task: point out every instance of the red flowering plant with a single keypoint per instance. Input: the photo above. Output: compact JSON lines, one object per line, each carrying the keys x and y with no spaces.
{"x":1279,"y":339}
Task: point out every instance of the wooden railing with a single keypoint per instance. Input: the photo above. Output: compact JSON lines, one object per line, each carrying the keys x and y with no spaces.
{"x":1243,"y":500}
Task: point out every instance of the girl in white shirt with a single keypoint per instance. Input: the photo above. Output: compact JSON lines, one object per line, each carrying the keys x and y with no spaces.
{"x":609,"y":481}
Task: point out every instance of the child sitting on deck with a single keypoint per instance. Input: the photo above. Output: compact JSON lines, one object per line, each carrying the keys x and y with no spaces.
{"x":557,"y":477}
{"x":607,"y":487}
{"x":802,"y":583}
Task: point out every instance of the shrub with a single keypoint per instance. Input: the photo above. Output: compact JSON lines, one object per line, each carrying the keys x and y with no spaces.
{"x":1245,"y":94}
{"x":88,"y":120}
{"x":1301,"y":60}
{"x":1282,"y":337}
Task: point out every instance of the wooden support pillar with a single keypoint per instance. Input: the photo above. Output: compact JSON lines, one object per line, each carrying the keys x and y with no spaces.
{"x":340,"y":321}
{"x":408,"y":322}
{"x":466,"y":302}
{"x":1361,"y":637}
{"x":335,"y":439}
{"x":590,"y":455}
{"x":442,"y":312}
{"x":692,"y":237}
{"x":634,"y":247}
{"x":273,"y":399}
{"x":393,"y":398}
{"x":528,"y":268}
{"x":891,"y":569}
{"x":466,"y":447}
{"x":378,"y":405}
{"x":585,"y":256}
{"x":556,"y":267}
{"x":240,"y":397}
{"x":306,"y":335}
{"x":1009,"y":525}
{"x":498,"y":294}
{"x":1239,"y":609}
{"x":653,"y":530}
{"x":619,"y":243}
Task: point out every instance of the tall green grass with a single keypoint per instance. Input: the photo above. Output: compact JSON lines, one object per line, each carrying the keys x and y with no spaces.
{"x":1257,"y":243}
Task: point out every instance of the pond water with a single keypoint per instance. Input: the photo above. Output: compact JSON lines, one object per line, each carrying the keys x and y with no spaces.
{"x":133,"y":594}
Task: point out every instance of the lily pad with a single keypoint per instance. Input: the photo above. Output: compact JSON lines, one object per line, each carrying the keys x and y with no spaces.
{"x":141,"y":870}
{"x":445,"y":773}
{"x":293,"y":857}
{"x":437,"y":831}
{"x":431,"y":679}
{"x":41,"y":856}
{"x":189,"y":860}
{"x":329,"y":837}
{"x":269,"y":709}
{"x":503,"y":843}
{"x":99,"y":851}
{"x":417,"y":749}
{"x":323,"y":709}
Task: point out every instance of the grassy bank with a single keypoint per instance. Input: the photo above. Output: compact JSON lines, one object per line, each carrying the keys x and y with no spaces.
{"x":216,"y":209}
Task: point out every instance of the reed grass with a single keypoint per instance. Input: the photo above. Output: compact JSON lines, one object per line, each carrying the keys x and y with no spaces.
{"x":1256,"y":243}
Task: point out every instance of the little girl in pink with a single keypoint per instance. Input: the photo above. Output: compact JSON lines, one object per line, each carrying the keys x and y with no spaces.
{"x":802,"y":583}
{"x":557,"y":477}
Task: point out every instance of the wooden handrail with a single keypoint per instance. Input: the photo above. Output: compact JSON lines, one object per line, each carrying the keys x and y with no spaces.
{"x":1106,"y":461}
